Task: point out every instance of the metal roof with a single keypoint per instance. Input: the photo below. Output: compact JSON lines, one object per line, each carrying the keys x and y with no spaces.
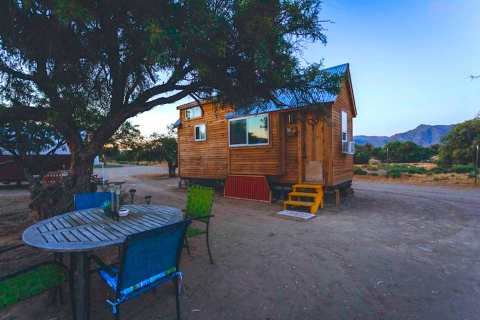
{"x":288,"y":99}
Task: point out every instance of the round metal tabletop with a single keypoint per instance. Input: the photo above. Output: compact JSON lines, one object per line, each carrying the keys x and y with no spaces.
{"x":89,"y":229}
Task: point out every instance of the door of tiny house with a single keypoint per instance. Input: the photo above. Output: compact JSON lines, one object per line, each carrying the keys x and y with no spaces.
{"x":314,"y":149}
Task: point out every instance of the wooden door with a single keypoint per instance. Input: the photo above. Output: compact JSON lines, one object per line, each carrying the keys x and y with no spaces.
{"x":314,"y":150}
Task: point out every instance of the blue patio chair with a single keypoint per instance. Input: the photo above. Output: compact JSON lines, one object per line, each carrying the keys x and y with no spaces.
{"x":89,"y":200}
{"x":149,"y":259}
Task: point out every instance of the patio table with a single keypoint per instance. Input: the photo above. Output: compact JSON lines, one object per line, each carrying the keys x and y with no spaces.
{"x":79,"y":232}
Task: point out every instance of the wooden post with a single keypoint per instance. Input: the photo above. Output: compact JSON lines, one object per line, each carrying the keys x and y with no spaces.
{"x":337,"y":198}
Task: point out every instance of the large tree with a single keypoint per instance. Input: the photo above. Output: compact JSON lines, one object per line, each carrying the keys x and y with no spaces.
{"x":459,"y":146}
{"x":85,"y":67}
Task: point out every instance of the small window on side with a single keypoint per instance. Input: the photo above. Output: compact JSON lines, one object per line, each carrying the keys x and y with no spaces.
{"x":192,"y":113}
{"x":200,"y":132}
{"x":344,"y":124}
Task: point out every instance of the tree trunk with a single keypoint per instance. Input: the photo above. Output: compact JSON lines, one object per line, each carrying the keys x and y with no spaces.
{"x":81,"y":170}
{"x":171,"y":169}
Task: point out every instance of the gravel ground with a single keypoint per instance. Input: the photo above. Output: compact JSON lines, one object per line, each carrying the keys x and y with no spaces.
{"x":389,"y":252}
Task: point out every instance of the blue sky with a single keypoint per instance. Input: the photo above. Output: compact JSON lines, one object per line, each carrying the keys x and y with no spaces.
{"x":410,"y":61}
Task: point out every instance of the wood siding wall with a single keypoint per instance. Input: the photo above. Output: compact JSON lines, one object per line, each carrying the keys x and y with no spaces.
{"x":341,"y":163}
{"x":204,"y":159}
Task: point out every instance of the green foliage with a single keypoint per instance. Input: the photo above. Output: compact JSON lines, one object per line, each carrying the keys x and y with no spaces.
{"x":97,"y":64}
{"x":125,"y":144}
{"x":359,"y":171}
{"x":30,"y":283}
{"x":403,"y":152}
{"x":459,"y":145}
{"x":463,"y":168}
{"x":199,"y":201}
{"x":394,"y":173}
{"x":396,"y":170}
{"x":29,"y":138}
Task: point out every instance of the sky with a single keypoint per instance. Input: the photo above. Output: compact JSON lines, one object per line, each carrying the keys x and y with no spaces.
{"x":410,"y":62}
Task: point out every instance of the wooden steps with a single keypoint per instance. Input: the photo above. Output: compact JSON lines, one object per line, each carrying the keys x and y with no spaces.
{"x":306,"y":195}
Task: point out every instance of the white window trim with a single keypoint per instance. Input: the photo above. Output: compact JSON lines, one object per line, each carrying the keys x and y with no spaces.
{"x":346,"y":126}
{"x":247,"y":144}
{"x":195,"y":132}
{"x":201,"y":113}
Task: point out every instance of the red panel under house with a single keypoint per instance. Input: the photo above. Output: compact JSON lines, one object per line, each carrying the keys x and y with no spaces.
{"x":248,"y":187}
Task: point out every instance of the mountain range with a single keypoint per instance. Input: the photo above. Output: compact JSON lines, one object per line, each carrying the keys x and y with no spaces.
{"x":424,"y":135}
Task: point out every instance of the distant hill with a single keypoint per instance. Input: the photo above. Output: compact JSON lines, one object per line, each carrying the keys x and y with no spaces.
{"x":424,"y":135}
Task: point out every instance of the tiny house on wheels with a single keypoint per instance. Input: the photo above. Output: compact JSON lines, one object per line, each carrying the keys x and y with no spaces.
{"x":252,"y":151}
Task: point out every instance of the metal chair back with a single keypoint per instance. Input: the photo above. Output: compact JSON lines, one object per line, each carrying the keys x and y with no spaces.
{"x":89,"y":200}
{"x":150,"y":256}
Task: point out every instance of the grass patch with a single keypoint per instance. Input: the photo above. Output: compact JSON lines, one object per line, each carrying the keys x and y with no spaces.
{"x":30,"y":283}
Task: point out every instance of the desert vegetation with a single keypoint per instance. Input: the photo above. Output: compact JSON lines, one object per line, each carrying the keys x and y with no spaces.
{"x":454,"y":159}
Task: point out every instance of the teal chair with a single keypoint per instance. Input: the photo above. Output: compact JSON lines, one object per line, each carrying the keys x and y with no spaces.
{"x":149,"y":259}
{"x":199,"y":209}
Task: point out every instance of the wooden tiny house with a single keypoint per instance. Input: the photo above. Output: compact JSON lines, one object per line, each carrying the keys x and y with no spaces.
{"x":252,"y":151}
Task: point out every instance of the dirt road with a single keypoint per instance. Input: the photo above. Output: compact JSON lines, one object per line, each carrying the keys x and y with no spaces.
{"x":390,"y":252}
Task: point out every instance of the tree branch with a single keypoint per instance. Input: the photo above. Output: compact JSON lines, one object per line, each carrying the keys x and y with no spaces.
{"x":23,"y":113}
{"x":17,"y":74}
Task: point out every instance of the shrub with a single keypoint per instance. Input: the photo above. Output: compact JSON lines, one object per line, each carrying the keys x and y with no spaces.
{"x":463,"y":168}
{"x":374,"y":174}
{"x":404,"y":168}
{"x":359,"y":171}
{"x":438,"y":170}
{"x":394,"y":172}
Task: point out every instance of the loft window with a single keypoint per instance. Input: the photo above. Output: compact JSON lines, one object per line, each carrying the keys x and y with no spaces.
{"x":291,"y":118}
{"x":192,"y":113}
{"x":344,"y":125}
{"x":249,"y":131}
{"x":200,"y":132}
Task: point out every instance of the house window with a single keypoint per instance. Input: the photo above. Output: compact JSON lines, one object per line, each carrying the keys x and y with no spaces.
{"x":192,"y":113}
{"x":344,"y":125}
{"x":200,"y":132}
{"x":292,"y":118}
{"x":249,"y":131}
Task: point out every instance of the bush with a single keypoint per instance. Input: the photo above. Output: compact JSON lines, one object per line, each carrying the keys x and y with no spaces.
{"x":394,"y":173}
{"x":405,"y":168}
{"x":374,"y":174}
{"x":463,"y":168}
{"x":359,"y":171}
{"x":438,"y":170}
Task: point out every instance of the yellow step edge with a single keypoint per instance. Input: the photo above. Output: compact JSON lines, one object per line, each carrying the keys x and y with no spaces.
{"x":304,"y":194}
{"x":298,"y":203}
{"x":308,"y":186}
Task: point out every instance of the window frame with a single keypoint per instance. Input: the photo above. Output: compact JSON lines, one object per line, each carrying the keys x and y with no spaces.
{"x":346,"y":126}
{"x":246,"y":131}
{"x":195,"y":132}
{"x":199,"y":116}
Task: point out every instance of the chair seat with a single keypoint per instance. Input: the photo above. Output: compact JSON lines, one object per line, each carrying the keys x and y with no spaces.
{"x":110,"y":276}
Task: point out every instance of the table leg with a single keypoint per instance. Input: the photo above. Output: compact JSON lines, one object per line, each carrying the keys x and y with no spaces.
{"x":79,"y":285}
